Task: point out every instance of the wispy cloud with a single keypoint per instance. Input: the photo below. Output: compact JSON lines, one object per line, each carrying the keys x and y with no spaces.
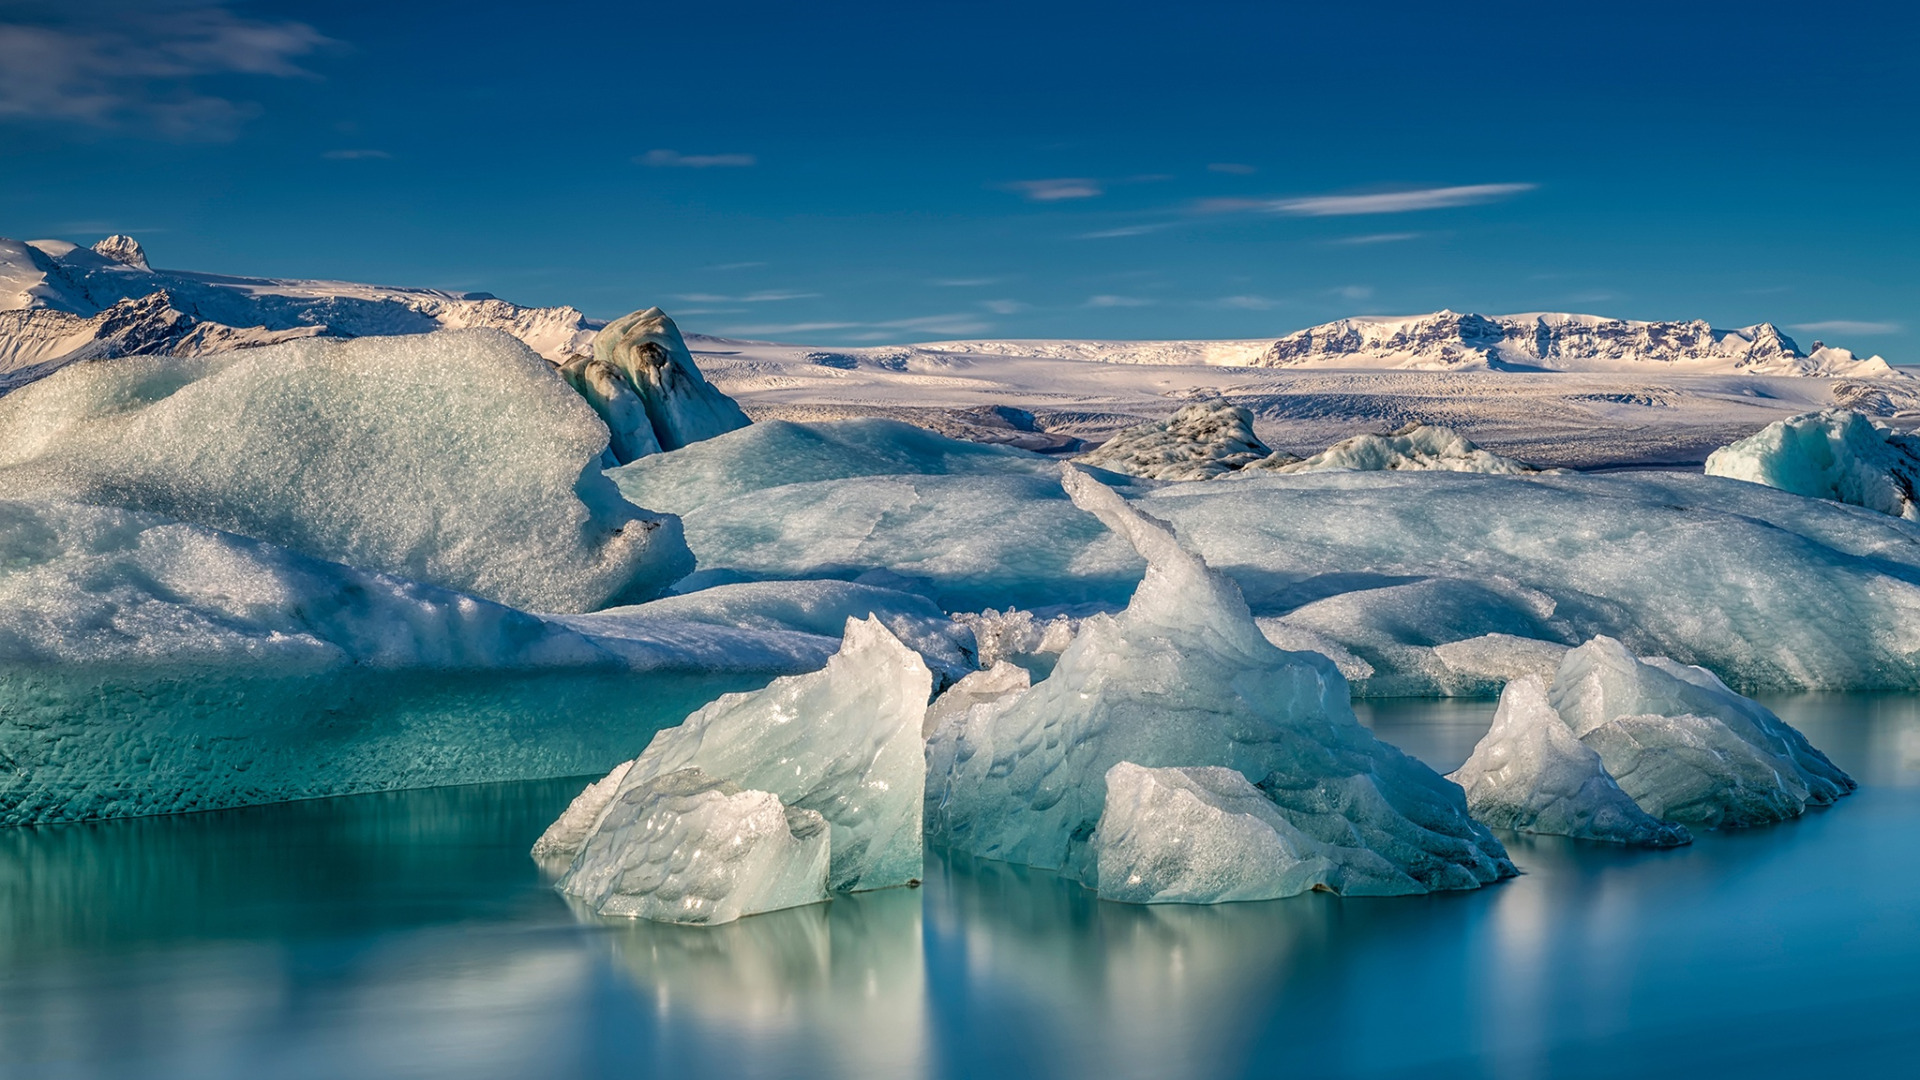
{"x":356,"y":155}
{"x":1353,"y":292}
{"x":964,"y":283}
{"x":951,"y":325}
{"x":1249,"y":303}
{"x":1004,"y":307}
{"x":1850,"y":326}
{"x":1125,"y":230}
{"x":1110,"y":301}
{"x":769,"y":296}
{"x":1232,"y":168}
{"x":674,"y":159}
{"x":1056,"y":190}
{"x":733,"y":266}
{"x":135,"y":70}
{"x":1375,"y":238}
{"x":1384,"y":202}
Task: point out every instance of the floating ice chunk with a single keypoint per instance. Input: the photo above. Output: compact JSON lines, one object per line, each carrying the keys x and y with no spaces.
{"x":569,"y":832}
{"x":1420,"y":447}
{"x":1201,"y":836}
{"x":1532,"y":774}
{"x":1184,"y":678}
{"x":1018,"y":635}
{"x":1297,"y":638}
{"x":1837,"y":454}
{"x":844,"y":741}
{"x":686,"y":847}
{"x":643,"y":382}
{"x":980,"y":688}
{"x":454,"y":458}
{"x":1201,"y":441}
{"x":1685,"y":746}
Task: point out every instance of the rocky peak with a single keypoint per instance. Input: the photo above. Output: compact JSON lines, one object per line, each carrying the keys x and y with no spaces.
{"x":124,"y":250}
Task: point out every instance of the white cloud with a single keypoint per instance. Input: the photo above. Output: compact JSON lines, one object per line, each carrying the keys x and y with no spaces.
{"x":133,"y":69}
{"x":733,"y":266}
{"x":1850,"y":326}
{"x":1376,"y":238}
{"x":355,"y":155}
{"x":1056,"y":190}
{"x":1232,"y":168}
{"x":1385,"y":202}
{"x":1125,"y":230}
{"x":674,"y":159}
{"x":964,"y":283}
{"x":1004,"y":307}
{"x":1108,"y":301}
{"x":769,"y":296}
{"x":1249,"y":303}
{"x":1353,"y":292}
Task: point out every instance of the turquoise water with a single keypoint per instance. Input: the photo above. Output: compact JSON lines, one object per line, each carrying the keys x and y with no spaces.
{"x":408,"y":935}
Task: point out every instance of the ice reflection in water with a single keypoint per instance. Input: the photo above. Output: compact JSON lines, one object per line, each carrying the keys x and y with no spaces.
{"x":409,"y":934}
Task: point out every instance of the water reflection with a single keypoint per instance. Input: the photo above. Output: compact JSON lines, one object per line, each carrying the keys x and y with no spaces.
{"x":409,"y":934}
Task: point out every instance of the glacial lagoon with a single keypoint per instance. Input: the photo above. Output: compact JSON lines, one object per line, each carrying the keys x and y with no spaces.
{"x":409,"y":934}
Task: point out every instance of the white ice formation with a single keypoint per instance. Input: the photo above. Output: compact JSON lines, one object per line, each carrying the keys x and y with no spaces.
{"x":1530,"y":773}
{"x":843,"y":741}
{"x":686,"y":847}
{"x":1554,"y":341}
{"x":1837,"y":454}
{"x":459,"y":459}
{"x":1184,"y":678}
{"x":1415,"y":447}
{"x":1618,"y":745}
{"x":1199,"y":836}
{"x":1018,"y":635}
{"x":643,"y":383}
{"x":1201,"y":441}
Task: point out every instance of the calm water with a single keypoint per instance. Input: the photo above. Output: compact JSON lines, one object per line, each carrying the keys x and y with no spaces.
{"x":409,"y":935}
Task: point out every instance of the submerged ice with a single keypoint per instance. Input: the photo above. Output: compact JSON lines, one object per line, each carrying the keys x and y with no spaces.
{"x":455,"y":458}
{"x":1183,"y":678}
{"x":1626,"y":749}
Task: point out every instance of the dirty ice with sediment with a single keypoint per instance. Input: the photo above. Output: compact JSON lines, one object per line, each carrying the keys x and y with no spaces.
{"x":1100,"y":608}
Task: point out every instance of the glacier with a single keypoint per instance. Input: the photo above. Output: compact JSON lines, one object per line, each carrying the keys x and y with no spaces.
{"x":643,"y":383}
{"x":686,"y":847}
{"x":1183,"y":678}
{"x":1629,"y":750}
{"x":458,"y":459}
{"x":844,"y":741}
{"x":1836,"y":454}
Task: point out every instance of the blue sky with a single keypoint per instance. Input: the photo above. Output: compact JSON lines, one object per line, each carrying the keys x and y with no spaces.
{"x":896,"y":172}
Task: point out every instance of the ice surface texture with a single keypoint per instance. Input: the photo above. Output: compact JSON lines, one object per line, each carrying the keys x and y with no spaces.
{"x":457,"y":458}
{"x":1415,"y":447}
{"x":686,"y":847}
{"x":1184,"y":678}
{"x":1618,"y":748}
{"x":843,"y":741}
{"x":1836,"y":454}
{"x":1532,"y":774}
{"x":1199,"y":836}
{"x":642,"y":381}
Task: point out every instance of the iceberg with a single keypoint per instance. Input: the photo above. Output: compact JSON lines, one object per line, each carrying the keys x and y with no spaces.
{"x":1184,"y":678}
{"x":1199,"y":836}
{"x":1685,"y":746}
{"x":1532,"y":774}
{"x":685,"y":847}
{"x":1199,"y":442}
{"x":1837,"y":454}
{"x":843,"y":741}
{"x":1626,"y":749}
{"x":151,"y":666}
{"x":1415,"y":447}
{"x":643,"y":382}
{"x":458,"y":459}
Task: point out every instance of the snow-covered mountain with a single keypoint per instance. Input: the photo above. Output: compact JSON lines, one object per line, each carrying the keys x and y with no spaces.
{"x":61,"y":302}
{"x":1554,"y":341}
